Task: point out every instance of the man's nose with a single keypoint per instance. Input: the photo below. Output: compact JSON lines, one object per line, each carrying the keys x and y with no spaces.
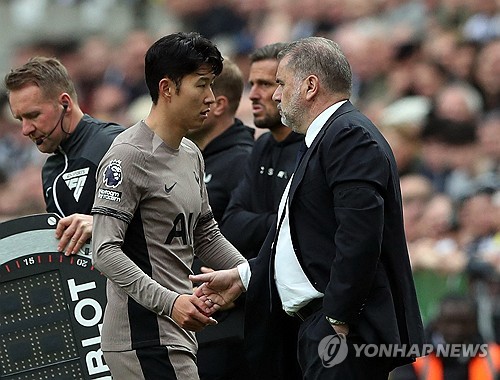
{"x":27,"y":127}
{"x":277,"y":95}
{"x":253,"y":94}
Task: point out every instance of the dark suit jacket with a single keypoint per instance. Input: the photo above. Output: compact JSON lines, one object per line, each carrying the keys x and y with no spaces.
{"x":347,"y":231}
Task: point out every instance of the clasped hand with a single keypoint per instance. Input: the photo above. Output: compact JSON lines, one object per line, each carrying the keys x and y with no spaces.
{"x":218,"y":289}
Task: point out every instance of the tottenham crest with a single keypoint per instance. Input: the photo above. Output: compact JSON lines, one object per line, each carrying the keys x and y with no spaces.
{"x":113,"y":174}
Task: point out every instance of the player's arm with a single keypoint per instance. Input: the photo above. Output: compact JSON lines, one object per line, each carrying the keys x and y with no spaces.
{"x":109,"y":258}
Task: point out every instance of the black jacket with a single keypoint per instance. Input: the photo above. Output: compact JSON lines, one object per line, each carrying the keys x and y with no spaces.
{"x":254,"y":203}
{"x":346,"y":226}
{"x":68,"y":175}
{"x":225,"y":157}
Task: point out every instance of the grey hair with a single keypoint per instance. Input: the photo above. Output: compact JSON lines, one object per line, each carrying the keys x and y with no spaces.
{"x":321,"y":57}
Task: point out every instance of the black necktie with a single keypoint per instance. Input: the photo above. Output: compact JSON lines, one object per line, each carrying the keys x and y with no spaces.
{"x":302,"y":150}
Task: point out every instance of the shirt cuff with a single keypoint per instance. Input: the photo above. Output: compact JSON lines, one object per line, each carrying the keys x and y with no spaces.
{"x":245,"y":274}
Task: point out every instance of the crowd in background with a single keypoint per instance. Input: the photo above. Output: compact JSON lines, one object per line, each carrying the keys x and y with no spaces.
{"x":426,"y":72}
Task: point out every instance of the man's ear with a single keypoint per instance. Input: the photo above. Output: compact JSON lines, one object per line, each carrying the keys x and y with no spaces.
{"x":312,"y":86}
{"x":166,"y":88}
{"x":220,"y":105}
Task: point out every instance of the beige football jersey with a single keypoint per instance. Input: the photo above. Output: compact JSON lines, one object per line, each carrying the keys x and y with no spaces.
{"x":151,"y":215}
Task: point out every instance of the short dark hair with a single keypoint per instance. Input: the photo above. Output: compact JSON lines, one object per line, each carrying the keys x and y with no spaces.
{"x":267,"y":52}
{"x":177,"y":55}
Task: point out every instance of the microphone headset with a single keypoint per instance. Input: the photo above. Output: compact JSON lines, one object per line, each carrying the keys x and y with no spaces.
{"x":40,"y":140}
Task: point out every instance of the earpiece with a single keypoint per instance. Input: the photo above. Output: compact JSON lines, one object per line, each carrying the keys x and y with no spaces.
{"x":41,"y":139}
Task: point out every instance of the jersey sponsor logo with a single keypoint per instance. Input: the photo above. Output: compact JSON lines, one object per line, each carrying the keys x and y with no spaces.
{"x":182,"y":229}
{"x":75,"y":181}
{"x":109,"y":195}
{"x":207,"y":178}
{"x":113,"y":174}
{"x":169,"y":189}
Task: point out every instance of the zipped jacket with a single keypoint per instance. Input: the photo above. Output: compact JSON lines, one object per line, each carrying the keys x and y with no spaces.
{"x":68,"y":175}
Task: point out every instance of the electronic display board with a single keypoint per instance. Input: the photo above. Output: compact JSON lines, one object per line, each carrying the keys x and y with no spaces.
{"x":51,"y":306}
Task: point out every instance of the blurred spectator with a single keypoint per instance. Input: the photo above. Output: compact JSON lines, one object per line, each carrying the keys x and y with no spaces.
{"x":108,"y":102}
{"x":461,"y":68}
{"x":22,"y":194}
{"x":438,"y":222}
{"x":463,"y":158}
{"x":406,"y":55}
{"x":369,"y":49}
{"x":428,"y":78}
{"x":27,"y":49}
{"x":406,"y":148}
{"x":416,"y":191}
{"x":452,"y":157}
{"x":484,"y":22}
{"x":455,"y":324}
{"x":438,"y":261}
{"x":16,"y":152}
{"x":487,"y":73}
{"x":436,"y":258}
{"x":489,"y":141}
{"x":458,"y":101}
{"x":127,"y":66}
{"x":489,"y":251}
{"x":219,"y":20}
{"x":401,"y":124}
{"x":310,"y":18}
{"x":409,"y":111}
{"x":434,"y":153}
{"x":478,"y":227}
{"x":480,"y":232}
{"x":95,"y":58}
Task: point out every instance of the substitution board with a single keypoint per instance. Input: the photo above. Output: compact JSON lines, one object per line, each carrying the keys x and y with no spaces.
{"x":51,"y":306}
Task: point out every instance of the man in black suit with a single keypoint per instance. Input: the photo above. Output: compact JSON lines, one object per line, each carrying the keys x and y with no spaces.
{"x":337,"y":259}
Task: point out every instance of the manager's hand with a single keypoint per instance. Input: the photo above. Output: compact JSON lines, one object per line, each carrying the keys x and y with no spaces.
{"x":218,"y":288}
{"x":73,"y":232}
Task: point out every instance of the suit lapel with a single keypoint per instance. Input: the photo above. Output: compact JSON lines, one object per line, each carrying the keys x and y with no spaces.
{"x":300,"y":171}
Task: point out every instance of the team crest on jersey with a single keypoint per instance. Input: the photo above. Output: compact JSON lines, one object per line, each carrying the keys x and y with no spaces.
{"x":113,"y":174}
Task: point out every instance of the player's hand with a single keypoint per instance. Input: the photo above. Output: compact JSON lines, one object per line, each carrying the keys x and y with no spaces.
{"x":187,"y":313}
{"x":73,"y":232}
{"x":218,"y":288}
